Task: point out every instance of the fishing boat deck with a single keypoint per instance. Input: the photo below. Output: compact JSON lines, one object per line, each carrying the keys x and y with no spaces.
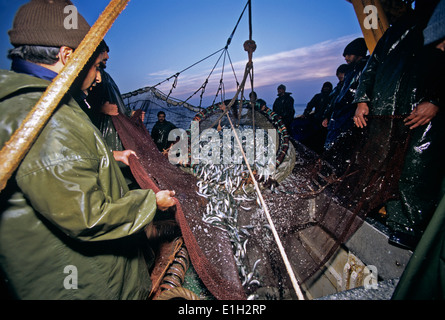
{"x":367,"y":247}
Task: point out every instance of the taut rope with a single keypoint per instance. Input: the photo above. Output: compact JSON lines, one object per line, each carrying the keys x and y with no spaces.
{"x":250,"y":47}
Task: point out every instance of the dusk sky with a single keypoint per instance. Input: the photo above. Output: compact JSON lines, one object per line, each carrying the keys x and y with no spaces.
{"x":299,"y":43}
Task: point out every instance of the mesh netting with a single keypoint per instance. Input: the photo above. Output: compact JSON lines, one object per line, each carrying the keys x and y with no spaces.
{"x":326,"y":199}
{"x":316,"y":202}
{"x":153,"y":171}
{"x":151,"y":100}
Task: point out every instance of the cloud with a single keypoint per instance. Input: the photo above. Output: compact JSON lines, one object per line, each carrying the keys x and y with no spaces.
{"x":309,"y":63}
{"x":162,"y":74}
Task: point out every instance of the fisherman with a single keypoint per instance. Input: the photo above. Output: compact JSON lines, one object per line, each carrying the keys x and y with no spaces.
{"x":160,"y":132}
{"x":69,"y":226}
{"x":105,"y":101}
{"x":319,"y":103}
{"x":403,"y":78}
{"x":308,"y":127}
{"x":423,"y":277}
{"x":80,"y":91}
{"x":343,"y":108}
{"x":284,"y":106}
{"x":106,"y":98}
{"x":253,"y":97}
{"x":340,"y":74}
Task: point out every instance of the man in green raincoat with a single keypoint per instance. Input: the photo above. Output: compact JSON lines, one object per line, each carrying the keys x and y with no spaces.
{"x":397,"y":81}
{"x":69,"y":226}
{"x":424,"y":276}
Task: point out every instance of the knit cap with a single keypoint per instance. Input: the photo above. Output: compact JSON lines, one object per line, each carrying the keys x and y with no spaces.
{"x":357,"y":47}
{"x":42,"y":23}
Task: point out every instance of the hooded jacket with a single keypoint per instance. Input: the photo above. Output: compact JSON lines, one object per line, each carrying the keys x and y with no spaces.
{"x":343,"y":107}
{"x":69,"y":226}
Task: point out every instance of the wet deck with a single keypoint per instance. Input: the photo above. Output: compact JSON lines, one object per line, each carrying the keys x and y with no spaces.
{"x":367,"y":247}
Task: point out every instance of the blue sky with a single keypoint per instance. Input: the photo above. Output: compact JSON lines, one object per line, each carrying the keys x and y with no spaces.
{"x":300,"y":43}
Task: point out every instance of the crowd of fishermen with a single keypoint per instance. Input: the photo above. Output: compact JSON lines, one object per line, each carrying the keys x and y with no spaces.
{"x":402,"y":78}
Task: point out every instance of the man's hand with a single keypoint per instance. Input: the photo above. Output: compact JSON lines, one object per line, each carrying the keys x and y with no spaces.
{"x":142,"y":115}
{"x":123,"y":156}
{"x":421,"y":115}
{"x":165,"y":199}
{"x":360,"y":114}
{"x":109,"y":109}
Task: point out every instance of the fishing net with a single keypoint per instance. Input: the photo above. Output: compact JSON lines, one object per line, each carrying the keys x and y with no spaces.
{"x":153,"y":171}
{"x":316,"y":202}
{"x":326,"y":199}
{"x":151,"y":100}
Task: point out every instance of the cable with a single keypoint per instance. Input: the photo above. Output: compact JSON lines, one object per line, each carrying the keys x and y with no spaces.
{"x":229,"y":40}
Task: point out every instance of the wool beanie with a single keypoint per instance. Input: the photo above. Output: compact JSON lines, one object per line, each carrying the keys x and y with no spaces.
{"x":42,"y":23}
{"x":435,"y":29}
{"x":357,"y":47}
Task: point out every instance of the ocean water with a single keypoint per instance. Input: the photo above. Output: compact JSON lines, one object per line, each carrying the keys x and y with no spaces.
{"x":183,"y":117}
{"x":299,"y":109}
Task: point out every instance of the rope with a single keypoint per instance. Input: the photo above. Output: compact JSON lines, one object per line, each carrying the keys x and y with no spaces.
{"x":269,"y":219}
{"x":229,"y":40}
{"x":250,"y":47}
{"x":221,"y":82}
{"x":175,"y":83}
{"x":204,"y":85}
{"x":178,"y":73}
{"x":250,"y":20}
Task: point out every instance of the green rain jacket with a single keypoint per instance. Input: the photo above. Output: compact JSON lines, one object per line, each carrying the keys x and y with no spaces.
{"x":69,"y":226}
{"x":399,"y":75}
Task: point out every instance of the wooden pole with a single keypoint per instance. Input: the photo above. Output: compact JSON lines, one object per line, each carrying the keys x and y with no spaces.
{"x":22,"y":140}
